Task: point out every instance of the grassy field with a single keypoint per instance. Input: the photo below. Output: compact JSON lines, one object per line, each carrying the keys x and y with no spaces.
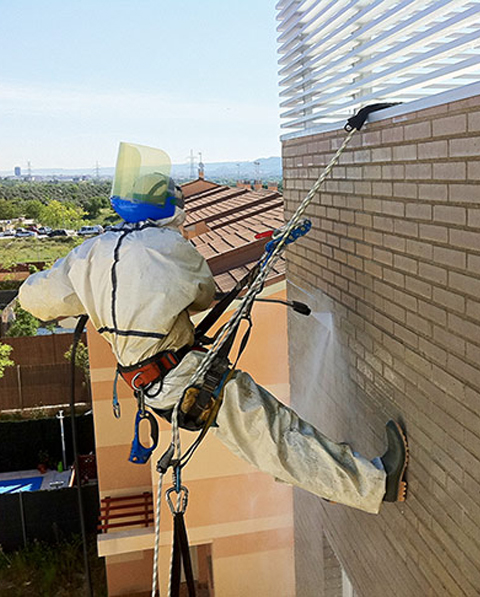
{"x":24,"y":250}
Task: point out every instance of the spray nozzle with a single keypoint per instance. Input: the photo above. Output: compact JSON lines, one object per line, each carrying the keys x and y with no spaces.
{"x":301,"y":308}
{"x":298,"y":307}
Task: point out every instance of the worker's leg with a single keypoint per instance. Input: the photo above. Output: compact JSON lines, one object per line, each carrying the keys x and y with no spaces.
{"x":257,"y":427}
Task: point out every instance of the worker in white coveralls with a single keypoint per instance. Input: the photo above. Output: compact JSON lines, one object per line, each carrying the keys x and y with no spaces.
{"x":138,"y":282}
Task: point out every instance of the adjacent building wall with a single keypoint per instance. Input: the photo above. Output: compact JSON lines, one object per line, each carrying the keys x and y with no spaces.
{"x":243,"y":515}
{"x":391,"y":269}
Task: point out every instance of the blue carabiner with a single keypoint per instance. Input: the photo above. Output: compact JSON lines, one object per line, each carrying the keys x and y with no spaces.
{"x":300,"y":230}
{"x":139,"y":454}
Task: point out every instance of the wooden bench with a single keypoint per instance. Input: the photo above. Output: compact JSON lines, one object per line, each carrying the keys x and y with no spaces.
{"x":126,"y":511}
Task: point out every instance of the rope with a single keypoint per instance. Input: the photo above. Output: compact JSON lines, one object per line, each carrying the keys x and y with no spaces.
{"x":267,"y":261}
{"x":172,"y":554}
{"x":155,"y":577}
{"x":268,"y":264}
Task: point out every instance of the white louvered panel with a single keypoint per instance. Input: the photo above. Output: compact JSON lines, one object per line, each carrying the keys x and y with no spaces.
{"x":394,"y":24}
{"x":336,"y":55}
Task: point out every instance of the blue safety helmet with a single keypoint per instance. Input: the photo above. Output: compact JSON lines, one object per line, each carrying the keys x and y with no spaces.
{"x":153,"y":196}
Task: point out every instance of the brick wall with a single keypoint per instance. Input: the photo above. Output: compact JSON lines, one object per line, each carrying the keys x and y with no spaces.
{"x":332,"y":571}
{"x":391,"y":269}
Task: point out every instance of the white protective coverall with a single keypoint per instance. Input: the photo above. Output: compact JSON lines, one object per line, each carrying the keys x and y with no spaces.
{"x":136,"y":283}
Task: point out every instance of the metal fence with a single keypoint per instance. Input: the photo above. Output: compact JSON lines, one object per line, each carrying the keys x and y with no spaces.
{"x":337,"y":55}
{"x":48,"y":516}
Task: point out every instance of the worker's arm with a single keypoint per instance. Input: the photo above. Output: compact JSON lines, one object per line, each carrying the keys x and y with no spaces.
{"x":49,"y":294}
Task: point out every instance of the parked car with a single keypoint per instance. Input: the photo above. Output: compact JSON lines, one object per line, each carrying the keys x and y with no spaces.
{"x":44,"y":230}
{"x":59,"y":232}
{"x":90,"y":230}
{"x":23,"y":233}
{"x":8,"y":233}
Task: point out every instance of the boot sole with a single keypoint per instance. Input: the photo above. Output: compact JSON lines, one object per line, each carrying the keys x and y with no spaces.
{"x":402,"y":483}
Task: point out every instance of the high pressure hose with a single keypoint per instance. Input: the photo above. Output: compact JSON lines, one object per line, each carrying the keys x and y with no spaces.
{"x":76,"y":339}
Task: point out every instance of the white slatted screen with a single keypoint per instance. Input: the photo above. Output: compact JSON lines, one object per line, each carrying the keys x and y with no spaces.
{"x":337,"y":55}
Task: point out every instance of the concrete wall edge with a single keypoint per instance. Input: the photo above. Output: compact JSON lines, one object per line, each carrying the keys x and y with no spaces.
{"x":452,"y":95}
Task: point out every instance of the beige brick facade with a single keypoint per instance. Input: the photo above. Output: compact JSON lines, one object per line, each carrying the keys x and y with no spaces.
{"x":391,"y":269}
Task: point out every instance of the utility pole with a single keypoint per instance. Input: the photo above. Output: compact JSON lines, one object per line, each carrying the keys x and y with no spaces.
{"x":201,"y":166}
{"x":192,"y":165}
{"x":257,"y":170}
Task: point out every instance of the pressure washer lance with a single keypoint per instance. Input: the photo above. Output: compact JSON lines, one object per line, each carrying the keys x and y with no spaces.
{"x":267,"y":262}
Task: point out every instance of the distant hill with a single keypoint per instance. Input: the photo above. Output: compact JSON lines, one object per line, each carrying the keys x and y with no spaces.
{"x":268,"y":168}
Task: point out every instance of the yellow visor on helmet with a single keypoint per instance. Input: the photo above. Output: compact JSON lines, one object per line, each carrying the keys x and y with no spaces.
{"x":142,"y":188}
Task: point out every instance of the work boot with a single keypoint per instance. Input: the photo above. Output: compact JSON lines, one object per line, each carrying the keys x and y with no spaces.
{"x":395,"y":462}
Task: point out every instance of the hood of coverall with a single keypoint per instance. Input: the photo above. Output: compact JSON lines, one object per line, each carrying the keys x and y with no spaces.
{"x":142,"y":188}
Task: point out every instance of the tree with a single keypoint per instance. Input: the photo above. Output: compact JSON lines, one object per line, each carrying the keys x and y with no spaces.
{"x":94,"y":206}
{"x":33,"y":209}
{"x":9,"y":210}
{"x":81,"y":358}
{"x":5,"y":361}
{"x":61,"y":215}
{"x":25,"y":324}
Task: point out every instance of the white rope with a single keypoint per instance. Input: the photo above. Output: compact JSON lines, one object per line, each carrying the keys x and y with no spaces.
{"x":258,"y":282}
{"x":172,"y":553}
{"x":255,"y":288}
{"x":155,"y":576}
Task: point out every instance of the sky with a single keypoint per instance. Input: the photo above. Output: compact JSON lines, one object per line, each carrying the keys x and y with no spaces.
{"x":79,"y":76}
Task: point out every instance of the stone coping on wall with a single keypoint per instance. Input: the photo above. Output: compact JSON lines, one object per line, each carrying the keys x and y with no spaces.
{"x":446,"y":97}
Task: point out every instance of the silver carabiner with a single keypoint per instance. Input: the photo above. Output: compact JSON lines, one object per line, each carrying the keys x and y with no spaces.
{"x":182,"y":500}
{"x":117,"y":413}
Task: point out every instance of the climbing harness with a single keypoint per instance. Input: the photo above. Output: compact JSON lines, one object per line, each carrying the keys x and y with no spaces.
{"x":198,"y":406}
{"x":140,"y":378}
{"x":150,"y":370}
{"x":217,"y":356}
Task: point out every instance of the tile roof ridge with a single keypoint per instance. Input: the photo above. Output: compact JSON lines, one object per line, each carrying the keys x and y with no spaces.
{"x":260,"y":209}
{"x":215,"y":199}
{"x":265,"y":202}
{"x":236,"y":256}
{"x":205,"y":193}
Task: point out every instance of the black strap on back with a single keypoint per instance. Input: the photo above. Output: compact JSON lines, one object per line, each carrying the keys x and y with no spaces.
{"x":181,"y":554}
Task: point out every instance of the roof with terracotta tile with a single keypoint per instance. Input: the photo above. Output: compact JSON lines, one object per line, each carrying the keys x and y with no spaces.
{"x":222,"y":223}
{"x":197,"y":186}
